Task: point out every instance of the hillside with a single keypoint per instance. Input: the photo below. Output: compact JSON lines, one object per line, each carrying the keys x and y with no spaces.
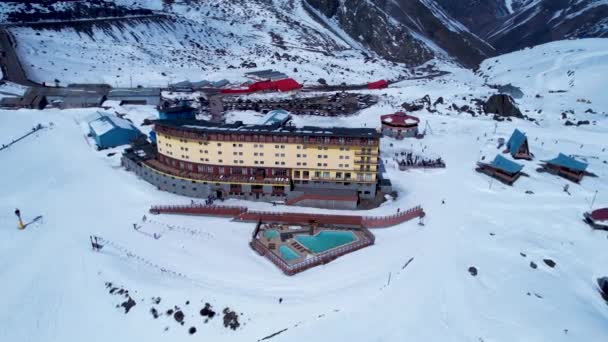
{"x":211,"y":40}
{"x":58,"y":285}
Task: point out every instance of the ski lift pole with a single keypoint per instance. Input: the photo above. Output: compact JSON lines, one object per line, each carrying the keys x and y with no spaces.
{"x":18,"y":213}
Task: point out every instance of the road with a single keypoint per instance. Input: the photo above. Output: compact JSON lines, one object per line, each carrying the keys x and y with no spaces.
{"x":12,"y":69}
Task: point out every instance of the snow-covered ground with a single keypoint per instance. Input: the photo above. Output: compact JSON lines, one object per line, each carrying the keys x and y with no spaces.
{"x":54,"y":285}
{"x":210,"y":40}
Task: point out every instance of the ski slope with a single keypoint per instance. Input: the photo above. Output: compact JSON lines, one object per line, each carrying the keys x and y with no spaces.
{"x":56,"y":284}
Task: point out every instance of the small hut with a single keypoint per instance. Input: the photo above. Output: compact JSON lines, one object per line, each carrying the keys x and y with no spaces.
{"x":502,"y":169}
{"x":565,"y":166}
{"x":400,"y":125}
{"x":518,"y":147}
{"x":598,"y":219}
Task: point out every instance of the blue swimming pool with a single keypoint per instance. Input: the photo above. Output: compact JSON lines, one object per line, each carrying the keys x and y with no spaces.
{"x":287,"y":253}
{"x":326,"y":240}
{"x":271,"y":234}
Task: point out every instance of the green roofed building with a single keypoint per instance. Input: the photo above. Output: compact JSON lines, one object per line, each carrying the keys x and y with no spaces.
{"x":502,"y":169}
{"x":566,"y":166}
{"x":518,"y":147}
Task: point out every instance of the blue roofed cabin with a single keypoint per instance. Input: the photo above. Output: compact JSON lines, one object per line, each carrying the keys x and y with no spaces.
{"x":110,"y":131}
{"x":501,"y":169}
{"x":179,"y":111}
{"x":566,"y":167}
{"x":518,"y":147}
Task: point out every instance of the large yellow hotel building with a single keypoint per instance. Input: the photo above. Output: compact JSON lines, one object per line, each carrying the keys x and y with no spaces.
{"x":265,"y":162}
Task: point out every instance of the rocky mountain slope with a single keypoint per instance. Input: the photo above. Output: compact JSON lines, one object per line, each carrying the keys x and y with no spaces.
{"x":542,"y":21}
{"x":405,"y":31}
{"x":510,"y":25}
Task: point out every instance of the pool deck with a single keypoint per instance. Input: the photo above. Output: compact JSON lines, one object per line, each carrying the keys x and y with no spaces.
{"x":286,"y":238}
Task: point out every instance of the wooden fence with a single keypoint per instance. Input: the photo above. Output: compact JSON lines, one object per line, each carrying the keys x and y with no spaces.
{"x":245,"y":215}
{"x":198,"y":209}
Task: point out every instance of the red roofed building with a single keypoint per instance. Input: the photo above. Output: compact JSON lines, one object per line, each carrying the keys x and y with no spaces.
{"x":287,"y":84}
{"x":598,"y":219}
{"x":400,"y":125}
{"x":378,"y":84}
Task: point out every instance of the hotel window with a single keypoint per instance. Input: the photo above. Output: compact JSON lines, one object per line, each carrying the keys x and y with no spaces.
{"x":320,"y":147}
{"x":368,"y":177}
{"x":325,"y":156}
{"x":235,"y":153}
{"x":347,"y":175}
{"x":341,"y":157}
{"x":276,"y":163}
{"x":347,"y":157}
{"x":200,"y":142}
{"x":346,"y":165}
{"x":261,"y":154}
{"x":324,"y":164}
{"x":283,"y":155}
{"x":255,"y":154}
{"x":296,"y":174}
{"x":219,"y":144}
{"x":283,"y":146}
{"x":305,"y":174}
{"x":244,"y":172}
{"x":304,"y":164}
{"x":201,"y":168}
{"x":304,"y":156}
{"x":299,"y":147}
{"x":320,"y":156}
{"x":340,"y":165}
{"x":359,"y":176}
{"x":338,"y":174}
{"x":319,"y":164}
{"x":299,"y":155}
{"x":240,"y":153}
{"x":206,"y":151}
{"x":233,"y":145}
{"x":240,"y":162}
{"x":220,"y":161}
{"x":317,"y":174}
{"x":341,"y":140}
{"x":240,"y":145}
{"x":276,"y":146}
{"x":221,"y":171}
{"x":219,"y":152}
{"x":276,"y":154}
{"x":282,"y":163}
{"x":255,"y":162}
{"x":326,"y":175}
{"x":299,"y":164}
{"x":262,"y":162}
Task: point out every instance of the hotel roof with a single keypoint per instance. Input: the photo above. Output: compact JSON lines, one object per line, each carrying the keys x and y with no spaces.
{"x":271,"y":129}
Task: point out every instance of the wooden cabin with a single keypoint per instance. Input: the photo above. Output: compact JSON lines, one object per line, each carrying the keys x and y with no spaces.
{"x":566,"y":167}
{"x":501,"y":169}
{"x":518,"y":146}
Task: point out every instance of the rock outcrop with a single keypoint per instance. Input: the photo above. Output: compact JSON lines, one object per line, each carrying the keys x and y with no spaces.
{"x":503,"y":105}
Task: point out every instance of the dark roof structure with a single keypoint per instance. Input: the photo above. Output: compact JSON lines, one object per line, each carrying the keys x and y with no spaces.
{"x":273,"y":129}
{"x":568,"y":162}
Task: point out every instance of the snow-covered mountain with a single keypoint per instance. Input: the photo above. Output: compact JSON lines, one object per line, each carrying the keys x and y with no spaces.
{"x":404,"y":30}
{"x":541,"y":21}
{"x":514,"y":24}
{"x":194,"y":40}
{"x":537,"y":262}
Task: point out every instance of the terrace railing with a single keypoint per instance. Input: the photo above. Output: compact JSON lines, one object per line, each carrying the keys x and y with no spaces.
{"x":317,"y":260}
{"x":198,"y":209}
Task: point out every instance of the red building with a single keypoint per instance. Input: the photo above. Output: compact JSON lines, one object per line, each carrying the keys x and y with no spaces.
{"x":400,"y":125}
